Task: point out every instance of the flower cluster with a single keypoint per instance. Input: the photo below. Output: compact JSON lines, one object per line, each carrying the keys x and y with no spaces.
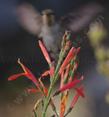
{"x":64,"y":71}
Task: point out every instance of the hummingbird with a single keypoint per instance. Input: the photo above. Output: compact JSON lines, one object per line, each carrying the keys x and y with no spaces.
{"x":45,"y":26}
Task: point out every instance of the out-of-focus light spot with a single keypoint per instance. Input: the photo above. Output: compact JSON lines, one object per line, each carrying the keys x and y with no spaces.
{"x":107,"y":97}
{"x":100,"y":54}
{"x":96,"y":33}
{"x":103,"y":67}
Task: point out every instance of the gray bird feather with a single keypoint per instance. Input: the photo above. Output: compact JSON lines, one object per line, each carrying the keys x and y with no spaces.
{"x":29,"y":18}
{"x":82,"y":17}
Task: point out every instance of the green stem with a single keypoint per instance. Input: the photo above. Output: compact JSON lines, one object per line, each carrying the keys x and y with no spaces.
{"x":47,"y":99}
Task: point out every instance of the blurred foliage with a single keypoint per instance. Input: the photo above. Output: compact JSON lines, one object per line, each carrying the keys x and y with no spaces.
{"x":97,"y":34}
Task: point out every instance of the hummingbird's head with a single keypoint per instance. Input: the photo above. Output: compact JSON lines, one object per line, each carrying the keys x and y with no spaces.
{"x":48,"y":17}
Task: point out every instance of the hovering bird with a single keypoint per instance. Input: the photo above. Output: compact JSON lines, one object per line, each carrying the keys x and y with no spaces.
{"x":45,"y":26}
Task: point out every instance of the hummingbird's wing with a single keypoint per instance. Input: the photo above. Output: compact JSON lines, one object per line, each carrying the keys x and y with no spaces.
{"x":81,"y":18}
{"x":29,"y":18}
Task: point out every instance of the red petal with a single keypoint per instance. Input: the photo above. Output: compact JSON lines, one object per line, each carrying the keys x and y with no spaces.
{"x":46,"y":73}
{"x":80,"y":91}
{"x":45,"y":91}
{"x":76,"y":97}
{"x":70,"y":85}
{"x":62,"y":80}
{"x":78,"y":50}
{"x":32,"y":90}
{"x":67,"y":59}
{"x":74,"y":101}
{"x":29,"y":74}
{"x":15,"y":76}
{"x":45,"y":53}
{"x":52,"y":71}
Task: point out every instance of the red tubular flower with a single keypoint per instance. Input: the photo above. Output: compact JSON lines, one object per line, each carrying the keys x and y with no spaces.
{"x":46,"y":73}
{"x":29,"y":74}
{"x":52,"y":69}
{"x":74,"y":101}
{"x":45,"y":91}
{"x":80,"y":91}
{"x":15,"y":76}
{"x":26,"y":73}
{"x":45,"y":53}
{"x":32,"y":90}
{"x":78,"y":50}
{"x":76,"y":76}
{"x":76,"y":97}
{"x":70,"y":85}
{"x":62,"y":79}
{"x":67,"y":59}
